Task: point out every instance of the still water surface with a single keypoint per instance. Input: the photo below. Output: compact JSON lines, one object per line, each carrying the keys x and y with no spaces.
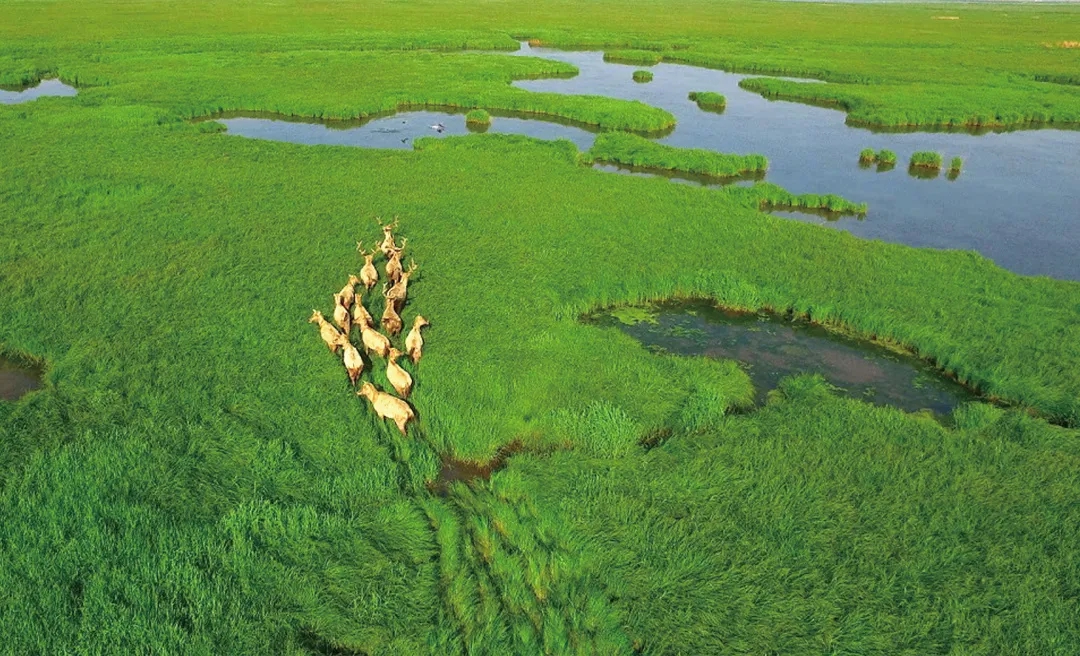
{"x":16,"y":381}
{"x":1017,"y":200}
{"x":771,"y":348}
{"x":44,"y":88}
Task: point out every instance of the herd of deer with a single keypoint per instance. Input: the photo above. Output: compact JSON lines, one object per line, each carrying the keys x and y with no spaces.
{"x":349,"y":312}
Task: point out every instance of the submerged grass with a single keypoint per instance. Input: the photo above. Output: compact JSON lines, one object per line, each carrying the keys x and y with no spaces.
{"x":629,"y":149}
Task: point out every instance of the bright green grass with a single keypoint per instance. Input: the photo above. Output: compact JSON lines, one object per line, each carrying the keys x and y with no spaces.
{"x":479,"y":117}
{"x":708,"y":100}
{"x":886,"y":157}
{"x":636,"y":57}
{"x":867,"y":156}
{"x":196,"y":477}
{"x":956,"y":164}
{"x":623,"y":148}
{"x":643,"y":76}
{"x":926,"y":159}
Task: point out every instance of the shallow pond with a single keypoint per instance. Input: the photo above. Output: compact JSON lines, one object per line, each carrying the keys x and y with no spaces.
{"x":51,"y":87}
{"x":16,"y":381}
{"x":1016,"y":200}
{"x":771,"y":348}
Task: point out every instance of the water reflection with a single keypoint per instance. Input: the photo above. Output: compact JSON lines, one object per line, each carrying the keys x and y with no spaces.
{"x":52,"y":87}
{"x":771,"y":348}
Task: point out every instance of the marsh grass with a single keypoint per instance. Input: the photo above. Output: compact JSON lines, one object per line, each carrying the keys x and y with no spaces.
{"x":634,"y":57}
{"x":197,"y":477}
{"x":956,"y":164}
{"x":867,"y":156}
{"x":709,"y":101}
{"x":926,"y":159}
{"x":478,"y":117}
{"x":643,"y":76}
{"x":632,"y":150}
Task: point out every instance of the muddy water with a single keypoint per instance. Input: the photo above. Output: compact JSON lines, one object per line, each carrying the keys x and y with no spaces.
{"x":44,"y":88}
{"x":771,"y":348}
{"x":1016,"y":201}
{"x":16,"y":381}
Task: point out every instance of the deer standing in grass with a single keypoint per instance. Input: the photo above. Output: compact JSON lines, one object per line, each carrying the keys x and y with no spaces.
{"x":391,"y":322}
{"x":360,"y":315}
{"x":327,"y":332}
{"x":374,"y":341}
{"x":400,"y":289}
{"x":398,"y":377}
{"x":369,"y":275}
{"x":387,"y":246}
{"x":387,"y":406}
{"x":393,"y":263}
{"x":414,"y":342}
{"x":348,"y":292}
{"x":354,"y":364}
{"x":341,"y":314}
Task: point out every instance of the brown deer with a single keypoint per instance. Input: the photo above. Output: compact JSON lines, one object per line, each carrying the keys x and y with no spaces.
{"x":387,"y":406}
{"x":369,"y":275}
{"x":327,"y":332}
{"x":398,"y":377}
{"x":388,"y":245}
{"x":360,"y":315}
{"x":393,"y":263}
{"x":414,"y":342}
{"x":401,"y":287}
{"x":391,"y":322}
{"x":348,"y":292}
{"x":374,"y":341}
{"x":354,"y":364}
{"x":341,"y":315}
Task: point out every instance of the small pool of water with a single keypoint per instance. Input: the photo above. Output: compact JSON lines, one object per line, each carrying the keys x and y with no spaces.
{"x":51,"y":87}
{"x":771,"y":348}
{"x":16,"y":381}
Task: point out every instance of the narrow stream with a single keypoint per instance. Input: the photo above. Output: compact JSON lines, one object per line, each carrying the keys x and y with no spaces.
{"x":771,"y":348}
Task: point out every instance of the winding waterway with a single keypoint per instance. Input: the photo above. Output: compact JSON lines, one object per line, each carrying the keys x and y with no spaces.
{"x":1016,"y":201}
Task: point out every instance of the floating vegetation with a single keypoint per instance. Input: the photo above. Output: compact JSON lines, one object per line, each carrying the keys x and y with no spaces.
{"x":632,"y":315}
{"x":643,"y":76}
{"x":478,"y":117}
{"x":624,"y":148}
{"x":926,"y":159}
{"x":349,"y":312}
{"x":767,"y":196}
{"x":956,"y":164}
{"x":886,"y":156}
{"x":709,"y":100}
{"x":867,"y":156}
{"x":635,"y":57}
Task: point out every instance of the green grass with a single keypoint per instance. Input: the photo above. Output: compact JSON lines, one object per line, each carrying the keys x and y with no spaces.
{"x":643,"y":76}
{"x":886,"y":157}
{"x":926,"y":159}
{"x":635,"y":57}
{"x":479,"y":117}
{"x":867,"y":156}
{"x":708,"y":100}
{"x":632,"y":150}
{"x":770,"y":196}
{"x":956,"y":164}
{"x":197,"y":477}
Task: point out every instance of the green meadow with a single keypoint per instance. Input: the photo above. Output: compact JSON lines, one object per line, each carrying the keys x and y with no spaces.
{"x":198,"y":476}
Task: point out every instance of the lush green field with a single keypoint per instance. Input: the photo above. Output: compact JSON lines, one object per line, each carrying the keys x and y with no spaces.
{"x":197,"y":475}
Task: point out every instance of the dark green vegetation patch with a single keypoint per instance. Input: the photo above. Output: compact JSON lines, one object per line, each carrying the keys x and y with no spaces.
{"x":643,"y":76}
